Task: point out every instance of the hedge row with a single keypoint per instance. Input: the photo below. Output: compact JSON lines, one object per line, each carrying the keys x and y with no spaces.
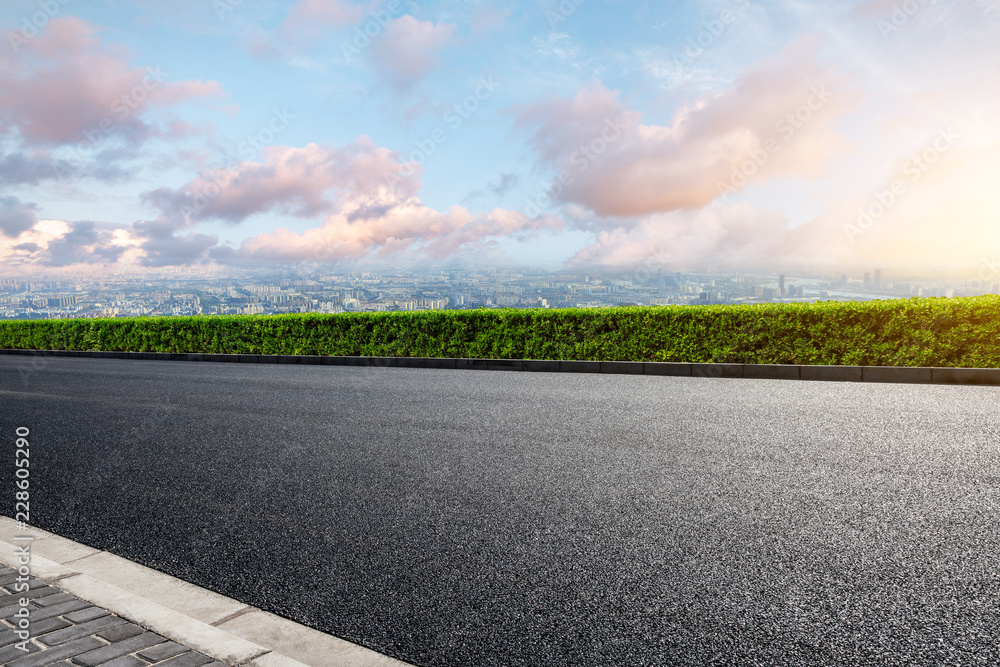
{"x":913,"y":332}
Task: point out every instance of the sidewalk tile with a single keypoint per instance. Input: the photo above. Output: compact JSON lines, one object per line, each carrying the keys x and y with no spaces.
{"x":78,"y":631}
{"x":126,"y":661}
{"x":120,"y":632}
{"x":162,"y":651}
{"x":107,"y":653}
{"x":191,"y":659}
{"x":84,"y":615}
{"x":46,"y":657}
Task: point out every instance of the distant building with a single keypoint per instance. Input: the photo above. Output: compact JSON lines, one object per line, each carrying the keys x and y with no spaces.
{"x":781,"y":284}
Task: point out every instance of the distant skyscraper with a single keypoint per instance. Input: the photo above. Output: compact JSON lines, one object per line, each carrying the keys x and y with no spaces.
{"x":781,"y":284}
{"x":877,"y":279}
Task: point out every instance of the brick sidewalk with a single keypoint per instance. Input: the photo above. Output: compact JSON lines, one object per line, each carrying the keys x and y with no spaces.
{"x":69,"y":632}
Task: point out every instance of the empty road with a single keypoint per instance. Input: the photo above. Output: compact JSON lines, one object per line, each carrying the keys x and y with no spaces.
{"x":489,"y":518}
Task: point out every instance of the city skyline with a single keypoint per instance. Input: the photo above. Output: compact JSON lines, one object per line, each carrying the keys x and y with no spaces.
{"x":309,"y":136}
{"x":255,"y":293}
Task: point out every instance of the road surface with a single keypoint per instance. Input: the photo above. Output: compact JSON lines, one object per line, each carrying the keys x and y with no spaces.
{"x":490,"y":518}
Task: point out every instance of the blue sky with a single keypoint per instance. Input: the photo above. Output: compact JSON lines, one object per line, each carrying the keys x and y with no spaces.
{"x":730,"y":134}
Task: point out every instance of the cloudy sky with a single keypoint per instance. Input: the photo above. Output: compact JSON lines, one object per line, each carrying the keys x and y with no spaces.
{"x":718,"y":134}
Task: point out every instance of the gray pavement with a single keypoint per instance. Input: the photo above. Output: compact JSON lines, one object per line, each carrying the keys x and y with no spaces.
{"x":69,"y":632}
{"x":487,"y":518}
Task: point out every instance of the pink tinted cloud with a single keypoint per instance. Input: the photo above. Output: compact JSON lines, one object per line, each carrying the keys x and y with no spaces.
{"x":65,"y":83}
{"x":785,"y":107}
{"x":368,"y":213}
{"x":307,"y":181}
{"x":389,"y":226}
{"x":403,"y":226}
{"x":719,"y":234}
{"x":409,"y":49}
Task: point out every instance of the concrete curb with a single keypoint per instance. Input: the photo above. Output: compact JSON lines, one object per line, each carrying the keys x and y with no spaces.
{"x":897,"y":374}
{"x":219,"y":627}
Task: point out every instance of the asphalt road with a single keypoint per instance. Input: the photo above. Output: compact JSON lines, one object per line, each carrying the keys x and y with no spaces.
{"x":490,"y":518}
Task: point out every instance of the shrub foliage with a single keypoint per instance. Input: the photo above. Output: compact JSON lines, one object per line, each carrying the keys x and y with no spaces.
{"x":914,"y":332}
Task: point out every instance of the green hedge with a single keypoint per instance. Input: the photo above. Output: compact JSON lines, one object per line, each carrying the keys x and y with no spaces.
{"x":913,"y":332}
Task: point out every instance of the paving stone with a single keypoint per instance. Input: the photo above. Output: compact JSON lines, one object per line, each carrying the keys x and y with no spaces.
{"x":12,"y":653}
{"x":51,"y":655}
{"x":107,"y":653}
{"x":162,"y":651}
{"x":58,"y":610}
{"x":8,"y":637}
{"x":32,"y":585}
{"x":191,"y":659}
{"x":39,"y":628}
{"x":58,"y":598}
{"x":82,"y":630}
{"x":84,"y":615}
{"x":9,"y":588}
{"x":126,"y":661}
{"x":8,"y":611}
{"x":120,"y":632}
{"x":39,"y":592}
